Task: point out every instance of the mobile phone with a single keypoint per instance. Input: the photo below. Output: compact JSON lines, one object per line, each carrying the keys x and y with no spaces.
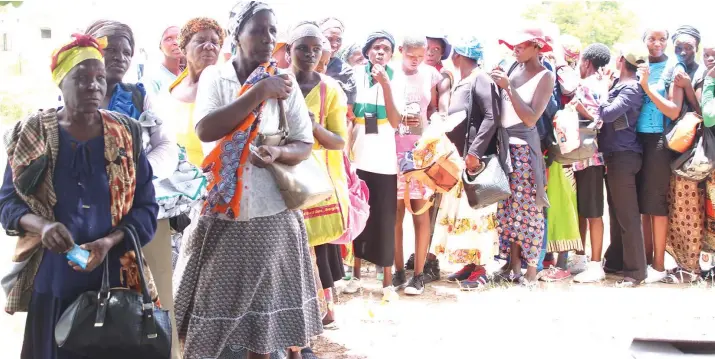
{"x":78,"y":256}
{"x":502,"y":64}
{"x":370,"y":123}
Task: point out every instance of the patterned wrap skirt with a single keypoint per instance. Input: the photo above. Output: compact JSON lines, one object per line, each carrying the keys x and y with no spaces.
{"x":519,"y":219}
{"x":691,"y":224}
{"x":246,"y":285}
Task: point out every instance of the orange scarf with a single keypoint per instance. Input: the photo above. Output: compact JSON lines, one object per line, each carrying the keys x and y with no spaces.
{"x":223,"y":167}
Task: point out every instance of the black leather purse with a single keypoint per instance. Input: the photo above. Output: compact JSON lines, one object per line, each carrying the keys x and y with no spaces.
{"x":491,"y":184}
{"x":117,"y":322}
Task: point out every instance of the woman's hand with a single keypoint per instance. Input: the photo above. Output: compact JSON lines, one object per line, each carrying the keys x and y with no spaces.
{"x":380,"y":75}
{"x":278,"y":87}
{"x":682,"y":80}
{"x":57,"y":238}
{"x":472,"y":163}
{"x":500,"y":78}
{"x":97,"y":252}
{"x":644,"y":75}
{"x":265,"y":155}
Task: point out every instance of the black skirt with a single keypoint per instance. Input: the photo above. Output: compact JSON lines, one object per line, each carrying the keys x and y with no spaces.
{"x":376,"y":243}
{"x":330,"y":264}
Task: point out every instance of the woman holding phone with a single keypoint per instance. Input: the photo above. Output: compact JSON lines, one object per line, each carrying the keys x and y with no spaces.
{"x":377,"y":115}
{"x":524,"y":96}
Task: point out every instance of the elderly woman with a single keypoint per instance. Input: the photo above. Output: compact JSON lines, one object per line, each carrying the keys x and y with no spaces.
{"x":200,"y":40}
{"x":244,"y":278}
{"x":333,"y":30}
{"x":90,"y":148}
{"x":524,"y":96}
{"x":377,"y":115}
{"x":326,"y":101}
{"x":352,"y":55}
{"x":170,"y":67}
{"x":159,"y":143}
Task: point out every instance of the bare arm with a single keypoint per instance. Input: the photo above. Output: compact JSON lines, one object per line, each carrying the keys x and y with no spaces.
{"x":224,"y":120}
{"x":393,"y":114}
{"x":443,"y":88}
{"x":327,"y":139}
{"x":294,"y":153}
{"x":531,"y":114}
{"x":33,"y":223}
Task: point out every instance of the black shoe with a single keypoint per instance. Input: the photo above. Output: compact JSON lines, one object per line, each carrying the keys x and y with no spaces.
{"x":416,"y":286}
{"x":410,"y":265}
{"x":399,"y":280}
{"x":431,"y":271}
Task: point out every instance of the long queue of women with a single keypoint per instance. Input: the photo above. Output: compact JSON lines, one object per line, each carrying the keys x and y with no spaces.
{"x":255,"y":278}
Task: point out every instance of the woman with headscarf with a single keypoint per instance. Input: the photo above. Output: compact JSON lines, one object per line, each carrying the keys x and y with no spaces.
{"x":333,"y":30}
{"x":327,"y":103}
{"x":464,"y":235}
{"x":158,"y":140}
{"x":247,"y":260}
{"x":352,"y":55}
{"x":83,"y":149}
{"x":200,"y":40}
{"x":524,"y":96}
{"x":170,"y":68}
{"x":377,"y":114}
{"x":668,"y":218}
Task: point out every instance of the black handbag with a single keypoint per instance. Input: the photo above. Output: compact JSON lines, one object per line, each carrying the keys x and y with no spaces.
{"x":491,"y":183}
{"x":116,"y":322}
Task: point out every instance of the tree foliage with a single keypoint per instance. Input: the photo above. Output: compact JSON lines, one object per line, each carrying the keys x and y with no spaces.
{"x":606,"y":22}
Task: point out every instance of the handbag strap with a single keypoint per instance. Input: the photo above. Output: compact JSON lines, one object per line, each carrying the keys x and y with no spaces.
{"x":149,"y":322}
{"x":408,"y":202}
{"x":282,"y":121}
{"x":323,"y":91}
{"x":103,"y":296}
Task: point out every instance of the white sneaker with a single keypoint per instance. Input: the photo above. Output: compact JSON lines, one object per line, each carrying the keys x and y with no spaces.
{"x":654,"y":276}
{"x":578,"y":264}
{"x":593,"y":273}
{"x":389,"y":294}
{"x":353,"y":286}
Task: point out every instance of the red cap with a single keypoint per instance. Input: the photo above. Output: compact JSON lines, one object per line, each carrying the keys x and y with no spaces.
{"x":527,"y":35}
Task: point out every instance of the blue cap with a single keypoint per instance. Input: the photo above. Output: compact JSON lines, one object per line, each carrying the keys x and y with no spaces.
{"x":469,"y":47}
{"x":447,"y":45}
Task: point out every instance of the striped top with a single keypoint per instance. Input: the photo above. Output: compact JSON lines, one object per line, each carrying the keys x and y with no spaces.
{"x":375,"y":153}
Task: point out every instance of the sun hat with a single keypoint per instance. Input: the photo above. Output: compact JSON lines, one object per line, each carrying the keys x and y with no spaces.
{"x":535,"y":35}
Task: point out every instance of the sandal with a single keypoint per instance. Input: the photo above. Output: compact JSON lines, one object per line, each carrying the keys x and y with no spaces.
{"x":679,"y":277}
{"x":523,"y":282}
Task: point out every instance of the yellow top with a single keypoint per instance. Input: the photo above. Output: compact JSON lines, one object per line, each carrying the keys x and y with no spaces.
{"x":182,"y":115}
{"x":336,"y":108}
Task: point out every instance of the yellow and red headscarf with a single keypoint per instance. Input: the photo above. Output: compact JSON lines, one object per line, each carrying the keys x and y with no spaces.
{"x":81,"y":48}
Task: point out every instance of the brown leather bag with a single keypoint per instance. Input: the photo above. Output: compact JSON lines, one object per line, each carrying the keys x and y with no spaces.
{"x":441,"y":176}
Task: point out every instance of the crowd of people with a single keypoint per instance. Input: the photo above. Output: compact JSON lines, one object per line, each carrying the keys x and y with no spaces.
{"x":187,"y":158}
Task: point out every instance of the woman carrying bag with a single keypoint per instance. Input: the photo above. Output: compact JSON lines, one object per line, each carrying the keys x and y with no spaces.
{"x":85,"y":149}
{"x":328,"y":109}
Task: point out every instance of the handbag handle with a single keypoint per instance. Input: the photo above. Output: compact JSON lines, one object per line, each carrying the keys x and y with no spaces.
{"x":147,"y":304}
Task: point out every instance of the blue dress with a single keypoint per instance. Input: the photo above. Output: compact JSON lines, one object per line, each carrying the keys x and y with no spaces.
{"x":123,"y":102}
{"x":83,"y":206}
